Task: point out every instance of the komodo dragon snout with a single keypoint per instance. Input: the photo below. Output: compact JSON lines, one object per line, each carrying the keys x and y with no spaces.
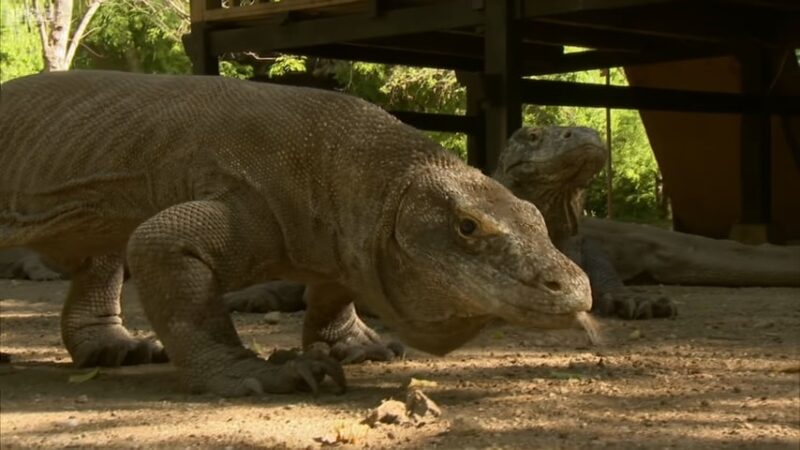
{"x":463,"y":250}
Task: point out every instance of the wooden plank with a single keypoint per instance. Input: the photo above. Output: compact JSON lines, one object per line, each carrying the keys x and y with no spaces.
{"x":270,"y":37}
{"x":263,"y":10}
{"x":547,"y":92}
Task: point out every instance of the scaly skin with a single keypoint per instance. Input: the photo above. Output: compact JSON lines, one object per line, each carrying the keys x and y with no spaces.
{"x":215,"y":184}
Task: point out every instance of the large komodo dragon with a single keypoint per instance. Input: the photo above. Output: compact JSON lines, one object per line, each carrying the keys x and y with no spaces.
{"x":551,"y":166}
{"x":210,"y":184}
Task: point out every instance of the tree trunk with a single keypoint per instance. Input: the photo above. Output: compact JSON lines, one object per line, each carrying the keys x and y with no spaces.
{"x":55,"y":22}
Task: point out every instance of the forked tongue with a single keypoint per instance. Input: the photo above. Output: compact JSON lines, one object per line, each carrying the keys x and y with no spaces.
{"x":590,"y":326}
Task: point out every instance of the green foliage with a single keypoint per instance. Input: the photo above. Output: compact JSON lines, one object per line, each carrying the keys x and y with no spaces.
{"x":20,"y":44}
{"x":136,"y":36}
{"x":285,"y":64}
{"x":233,"y":69}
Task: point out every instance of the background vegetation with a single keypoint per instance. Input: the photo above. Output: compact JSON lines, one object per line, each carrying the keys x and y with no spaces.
{"x":144,"y":36}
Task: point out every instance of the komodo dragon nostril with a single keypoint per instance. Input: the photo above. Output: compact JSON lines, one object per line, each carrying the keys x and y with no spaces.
{"x":554,"y":286}
{"x":568,"y":135}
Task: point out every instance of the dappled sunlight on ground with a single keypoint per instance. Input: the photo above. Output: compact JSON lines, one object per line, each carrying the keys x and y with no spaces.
{"x":725,"y":373}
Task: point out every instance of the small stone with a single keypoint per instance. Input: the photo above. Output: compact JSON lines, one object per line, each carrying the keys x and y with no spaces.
{"x":272,"y":318}
{"x":420,"y":406}
{"x":82,"y":399}
{"x":390,"y":412}
{"x":635,"y":334}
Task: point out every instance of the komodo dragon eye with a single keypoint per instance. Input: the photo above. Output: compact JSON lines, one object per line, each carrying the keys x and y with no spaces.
{"x":533,"y":135}
{"x":467,"y":226}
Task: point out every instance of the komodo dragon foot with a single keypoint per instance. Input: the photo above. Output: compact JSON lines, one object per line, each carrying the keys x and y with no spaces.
{"x":283,"y":373}
{"x":91,"y":325}
{"x":283,"y":296}
{"x":331,"y":319}
{"x":630,"y":306}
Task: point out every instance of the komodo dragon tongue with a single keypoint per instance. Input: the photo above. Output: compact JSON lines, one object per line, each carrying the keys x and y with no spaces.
{"x":464,"y":249}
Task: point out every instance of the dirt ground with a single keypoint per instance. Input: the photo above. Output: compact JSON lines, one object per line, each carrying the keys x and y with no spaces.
{"x":724,"y":374}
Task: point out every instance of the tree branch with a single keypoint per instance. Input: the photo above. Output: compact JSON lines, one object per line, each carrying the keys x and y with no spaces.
{"x":79,"y":32}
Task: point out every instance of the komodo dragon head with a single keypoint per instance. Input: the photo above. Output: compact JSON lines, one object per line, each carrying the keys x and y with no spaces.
{"x":464,"y":250}
{"x":550,"y":167}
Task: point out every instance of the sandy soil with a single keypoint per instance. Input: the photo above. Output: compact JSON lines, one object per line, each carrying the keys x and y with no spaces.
{"x":725,"y":374}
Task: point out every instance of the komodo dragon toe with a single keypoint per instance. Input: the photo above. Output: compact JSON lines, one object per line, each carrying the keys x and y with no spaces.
{"x":627,"y":305}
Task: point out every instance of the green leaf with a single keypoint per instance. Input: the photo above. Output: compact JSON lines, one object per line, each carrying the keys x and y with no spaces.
{"x":85,"y":376}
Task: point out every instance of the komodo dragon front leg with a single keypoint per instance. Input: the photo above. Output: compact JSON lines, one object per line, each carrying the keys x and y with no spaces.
{"x":204,"y":245}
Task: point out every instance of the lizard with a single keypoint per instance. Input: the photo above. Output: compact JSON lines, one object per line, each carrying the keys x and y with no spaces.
{"x":209,"y":184}
{"x":24,"y":263}
{"x":550,"y":167}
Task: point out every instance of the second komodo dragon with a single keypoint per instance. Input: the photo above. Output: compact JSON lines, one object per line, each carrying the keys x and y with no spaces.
{"x":211,"y":184}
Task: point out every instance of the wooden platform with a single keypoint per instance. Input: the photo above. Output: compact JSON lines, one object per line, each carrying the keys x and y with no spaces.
{"x":494,"y":44}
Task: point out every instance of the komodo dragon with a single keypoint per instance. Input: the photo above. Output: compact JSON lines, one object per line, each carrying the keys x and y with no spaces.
{"x":551,"y":166}
{"x":209,"y":184}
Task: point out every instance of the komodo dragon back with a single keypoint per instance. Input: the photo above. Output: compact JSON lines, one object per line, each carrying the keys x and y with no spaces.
{"x":209,"y":184}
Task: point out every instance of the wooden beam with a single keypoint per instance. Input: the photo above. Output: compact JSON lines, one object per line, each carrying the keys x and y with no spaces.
{"x":557,"y":33}
{"x":449,"y":123}
{"x":476,"y":138}
{"x":590,"y":60}
{"x":756,"y":143}
{"x":390,"y":56}
{"x":502,"y":76}
{"x":547,"y":92}
{"x":307,"y":33}
{"x":457,"y":44}
{"x":695,"y":22}
{"x":536,"y":8}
